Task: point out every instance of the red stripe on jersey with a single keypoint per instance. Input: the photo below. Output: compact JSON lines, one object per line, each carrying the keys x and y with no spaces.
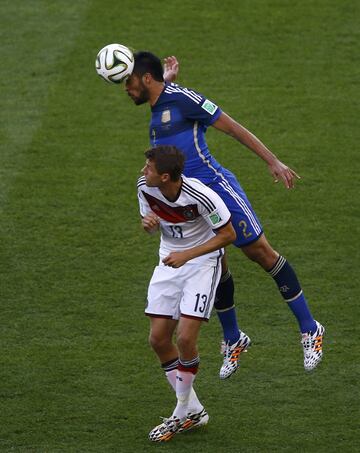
{"x":172,"y":214}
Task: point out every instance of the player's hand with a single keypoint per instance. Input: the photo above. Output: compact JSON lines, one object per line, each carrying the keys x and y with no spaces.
{"x":176,"y":259}
{"x":281,"y":172}
{"x":150,"y":223}
{"x":171,"y":69}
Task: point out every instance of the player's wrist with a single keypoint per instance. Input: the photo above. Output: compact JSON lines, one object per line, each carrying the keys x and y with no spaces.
{"x":151,"y":230}
{"x":269,"y":157}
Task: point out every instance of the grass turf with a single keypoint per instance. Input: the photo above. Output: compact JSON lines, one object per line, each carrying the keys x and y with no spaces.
{"x":75,"y":370}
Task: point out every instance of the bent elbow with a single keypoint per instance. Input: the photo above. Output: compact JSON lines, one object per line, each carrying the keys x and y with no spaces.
{"x":230,"y":237}
{"x":232,"y":234}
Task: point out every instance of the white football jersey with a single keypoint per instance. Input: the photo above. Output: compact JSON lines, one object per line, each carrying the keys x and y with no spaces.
{"x":188,"y":221}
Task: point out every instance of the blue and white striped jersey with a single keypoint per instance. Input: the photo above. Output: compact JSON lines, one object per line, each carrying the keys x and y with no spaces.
{"x":180,"y":118}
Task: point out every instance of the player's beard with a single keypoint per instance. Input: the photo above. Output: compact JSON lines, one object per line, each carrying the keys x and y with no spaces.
{"x":143,"y":97}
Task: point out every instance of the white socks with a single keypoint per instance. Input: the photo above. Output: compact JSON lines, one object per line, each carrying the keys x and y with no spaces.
{"x":181,"y":382}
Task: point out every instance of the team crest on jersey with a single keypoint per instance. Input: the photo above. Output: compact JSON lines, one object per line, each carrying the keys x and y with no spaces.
{"x":209,"y":106}
{"x":166,"y":116}
{"x":189,"y":214}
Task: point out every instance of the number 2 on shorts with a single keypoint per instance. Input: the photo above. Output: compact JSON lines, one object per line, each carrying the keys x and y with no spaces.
{"x":243,"y":224}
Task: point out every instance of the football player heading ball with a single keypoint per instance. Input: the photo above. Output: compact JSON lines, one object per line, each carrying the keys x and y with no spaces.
{"x":180,"y":117}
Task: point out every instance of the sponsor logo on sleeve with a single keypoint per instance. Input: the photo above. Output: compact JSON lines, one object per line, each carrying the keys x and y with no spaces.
{"x":215,"y":218}
{"x":209,"y":106}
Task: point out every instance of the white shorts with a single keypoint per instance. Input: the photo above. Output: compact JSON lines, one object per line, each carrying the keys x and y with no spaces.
{"x":186,"y":291}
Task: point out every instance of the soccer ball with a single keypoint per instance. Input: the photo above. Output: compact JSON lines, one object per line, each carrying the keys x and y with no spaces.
{"x":114,"y":63}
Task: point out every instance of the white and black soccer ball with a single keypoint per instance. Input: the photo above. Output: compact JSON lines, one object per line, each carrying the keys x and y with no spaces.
{"x":114,"y":63}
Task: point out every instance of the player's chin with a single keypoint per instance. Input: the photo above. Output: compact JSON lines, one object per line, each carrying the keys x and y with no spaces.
{"x":139,"y":101}
{"x":134,"y":99}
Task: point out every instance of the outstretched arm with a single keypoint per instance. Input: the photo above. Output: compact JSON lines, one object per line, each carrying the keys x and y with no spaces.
{"x":171,"y":69}
{"x":278,"y":170}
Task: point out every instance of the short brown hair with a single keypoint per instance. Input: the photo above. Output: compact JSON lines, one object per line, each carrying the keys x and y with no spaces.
{"x":167,"y":159}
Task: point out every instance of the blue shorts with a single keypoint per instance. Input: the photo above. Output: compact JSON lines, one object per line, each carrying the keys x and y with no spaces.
{"x":243,"y":218}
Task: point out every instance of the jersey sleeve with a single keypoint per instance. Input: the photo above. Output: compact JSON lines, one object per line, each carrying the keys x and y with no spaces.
{"x":215,"y":212}
{"x":144,"y":207}
{"x":196,"y":107}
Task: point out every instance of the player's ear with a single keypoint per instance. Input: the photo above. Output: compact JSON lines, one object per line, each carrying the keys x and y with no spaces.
{"x":146,"y":78}
{"x":165,"y":177}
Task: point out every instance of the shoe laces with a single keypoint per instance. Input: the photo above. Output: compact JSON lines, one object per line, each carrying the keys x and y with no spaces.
{"x":307,"y":341}
{"x":170,"y":422}
{"x":225,"y":349}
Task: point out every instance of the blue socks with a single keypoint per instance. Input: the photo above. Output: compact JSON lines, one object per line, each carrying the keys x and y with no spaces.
{"x":289,"y":287}
{"x":224,"y":305}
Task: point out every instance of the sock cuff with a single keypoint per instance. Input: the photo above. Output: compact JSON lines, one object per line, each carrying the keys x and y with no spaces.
{"x":190,"y":366}
{"x":280,"y":263}
{"x":286,"y":280}
{"x":171,"y":365}
{"x":292,"y":299}
{"x":222,"y":310}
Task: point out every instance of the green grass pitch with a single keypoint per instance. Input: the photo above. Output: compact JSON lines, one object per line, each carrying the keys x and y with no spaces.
{"x":76,"y":372}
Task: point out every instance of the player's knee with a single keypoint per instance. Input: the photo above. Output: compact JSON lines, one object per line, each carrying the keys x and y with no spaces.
{"x":158,"y":343}
{"x":268,"y":259}
{"x":186,"y":343}
{"x":263,"y":254}
{"x":224,"y":299}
